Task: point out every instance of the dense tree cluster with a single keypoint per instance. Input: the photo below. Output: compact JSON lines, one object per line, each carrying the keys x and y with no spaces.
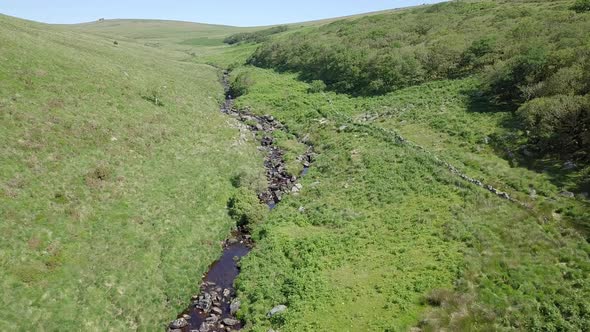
{"x":254,"y":37}
{"x":523,"y":51}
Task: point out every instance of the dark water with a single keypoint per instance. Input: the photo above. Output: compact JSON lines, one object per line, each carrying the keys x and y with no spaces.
{"x":218,"y":280}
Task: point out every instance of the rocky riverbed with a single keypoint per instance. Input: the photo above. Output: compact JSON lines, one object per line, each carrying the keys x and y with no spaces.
{"x":214,"y":308}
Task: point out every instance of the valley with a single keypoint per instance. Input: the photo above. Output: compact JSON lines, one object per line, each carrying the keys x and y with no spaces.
{"x":423,"y":169}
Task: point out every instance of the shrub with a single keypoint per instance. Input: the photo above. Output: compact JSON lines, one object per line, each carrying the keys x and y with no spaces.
{"x":245,"y":208}
{"x":581,"y":6}
{"x":316,"y":86}
{"x":559,"y":123}
{"x":239,"y":86}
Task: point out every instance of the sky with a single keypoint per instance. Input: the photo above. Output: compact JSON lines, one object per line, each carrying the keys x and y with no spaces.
{"x":227,"y":12}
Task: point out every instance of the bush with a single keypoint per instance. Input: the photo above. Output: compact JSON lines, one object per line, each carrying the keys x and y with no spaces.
{"x":316,"y":86}
{"x":559,"y":124}
{"x":245,"y":208}
{"x":581,"y":6}
{"x":239,"y":86}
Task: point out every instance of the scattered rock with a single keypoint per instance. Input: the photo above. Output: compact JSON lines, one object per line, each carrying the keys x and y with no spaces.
{"x":179,"y":323}
{"x":187,"y":317}
{"x":277,"y":310}
{"x":217,"y":310}
{"x":204,"y":302}
{"x":230,"y":321}
{"x":226,"y":292}
{"x":234,"y":306}
{"x":567,"y":194}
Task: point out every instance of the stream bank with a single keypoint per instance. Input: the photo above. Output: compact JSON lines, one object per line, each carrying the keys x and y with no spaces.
{"x":214,"y":308}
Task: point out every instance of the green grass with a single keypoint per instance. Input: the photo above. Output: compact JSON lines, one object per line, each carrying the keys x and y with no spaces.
{"x":117,"y":168}
{"x":111,"y":205}
{"x":388,"y":237}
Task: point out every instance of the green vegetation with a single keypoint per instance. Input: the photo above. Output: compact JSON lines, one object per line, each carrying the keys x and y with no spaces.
{"x":533,"y":55}
{"x":256,"y":36}
{"x":120,"y":177}
{"x":581,"y":6}
{"x":115,"y":176}
{"x":383,"y":236}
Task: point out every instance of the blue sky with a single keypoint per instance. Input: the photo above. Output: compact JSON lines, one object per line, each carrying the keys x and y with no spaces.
{"x":230,"y":12}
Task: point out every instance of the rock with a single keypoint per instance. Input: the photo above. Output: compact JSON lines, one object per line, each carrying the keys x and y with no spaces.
{"x":179,"y":323}
{"x":532,"y":192}
{"x":277,"y":310}
{"x":187,"y":317}
{"x":301,"y":209}
{"x":204,"y":302}
{"x":212,"y":319}
{"x":230,"y":321}
{"x":226,"y":292}
{"x":569,"y":165}
{"x":295,"y":189}
{"x":567,"y":194}
{"x":234,"y":306}
{"x":217,"y":310}
{"x":342,"y":128}
{"x":174,"y":330}
{"x":299,"y":186}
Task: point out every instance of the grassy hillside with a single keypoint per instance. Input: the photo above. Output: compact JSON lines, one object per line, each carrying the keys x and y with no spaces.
{"x":533,"y":55}
{"x":117,"y":169}
{"x":384,"y":237}
{"x":115,"y":174}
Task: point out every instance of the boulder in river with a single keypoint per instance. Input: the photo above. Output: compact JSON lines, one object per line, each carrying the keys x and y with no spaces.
{"x":277,"y":310}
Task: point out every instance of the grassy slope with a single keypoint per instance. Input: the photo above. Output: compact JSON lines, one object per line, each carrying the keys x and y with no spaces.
{"x":384,"y":225}
{"x":381,"y":226}
{"x":110,"y":205}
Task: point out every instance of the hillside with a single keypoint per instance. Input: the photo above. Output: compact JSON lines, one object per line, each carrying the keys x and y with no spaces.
{"x":427,"y":169}
{"x":403,"y":222}
{"x":115,"y":173}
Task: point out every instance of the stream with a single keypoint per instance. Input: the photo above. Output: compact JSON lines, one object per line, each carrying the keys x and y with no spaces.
{"x":214,"y":308}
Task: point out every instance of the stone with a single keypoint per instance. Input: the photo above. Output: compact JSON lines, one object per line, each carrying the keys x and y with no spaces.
{"x":187,"y":317}
{"x":230,"y":321}
{"x":567,"y":194}
{"x":179,"y":323}
{"x":234,"y":306}
{"x":212,"y":319}
{"x":295,"y":189}
{"x":277,"y":310}
{"x":569,"y":165}
{"x":204,"y":302}
{"x":217,"y":310}
{"x":174,"y":330}
{"x":226,"y":292}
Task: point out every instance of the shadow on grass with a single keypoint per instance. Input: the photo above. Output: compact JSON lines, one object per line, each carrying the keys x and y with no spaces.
{"x":517,"y":150}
